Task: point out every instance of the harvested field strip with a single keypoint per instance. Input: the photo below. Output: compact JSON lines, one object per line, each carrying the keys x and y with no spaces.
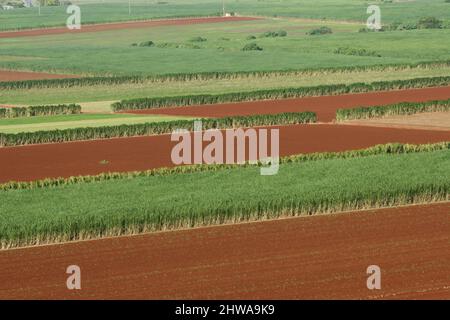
{"x":30,"y":163}
{"x":282,"y":93}
{"x":429,"y":121}
{"x":8,"y":75}
{"x":170,"y":202}
{"x":120,"y":26}
{"x":325,"y":107}
{"x":391,"y":148}
{"x":202,"y":76}
{"x":405,"y":108}
{"x":149,"y":128}
{"x":80,"y":121}
{"x":319,"y":257}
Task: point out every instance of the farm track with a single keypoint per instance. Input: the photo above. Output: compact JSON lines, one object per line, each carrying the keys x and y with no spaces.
{"x":28,"y":163}
{"x":324,"y":106}
{"x":319,"y":257}
{"x":121,"y":26}
{"x":10,"y":75}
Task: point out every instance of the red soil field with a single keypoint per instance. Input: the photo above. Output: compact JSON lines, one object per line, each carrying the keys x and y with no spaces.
{"x":26,"y":163}
{"x":120,"y":26}
{"x":318,"y":257}
{"x":324,"y":106}
{"x":7,"y":75}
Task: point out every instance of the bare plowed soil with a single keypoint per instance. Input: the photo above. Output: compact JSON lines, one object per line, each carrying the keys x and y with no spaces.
{"x":324,"y":106}
{"x":120,"y":26}
{"x":320,"y":257}
{"x":28,"y":163}
{"x":7,"y":75}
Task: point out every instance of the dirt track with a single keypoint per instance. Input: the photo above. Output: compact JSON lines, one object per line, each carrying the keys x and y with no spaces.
{"x":6,"y":75}
{"x":320,"y":257}
{"x":141,"y":153}
{"x":120,"y":26}
{"x":325,"y":106}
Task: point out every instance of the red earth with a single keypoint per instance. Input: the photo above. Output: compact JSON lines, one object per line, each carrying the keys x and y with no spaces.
{"x":9,"y":75}
{"x":318,"y":257}
{"x":120,"y":26}
{"x":26,"y":163}
{"x":324,"y":106}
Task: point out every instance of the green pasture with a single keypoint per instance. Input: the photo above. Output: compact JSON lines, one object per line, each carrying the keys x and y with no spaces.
{"x":98,"y":11}
{"x":158,"y":202}
{"x":61,"y":122}
{"x":112,"y":53}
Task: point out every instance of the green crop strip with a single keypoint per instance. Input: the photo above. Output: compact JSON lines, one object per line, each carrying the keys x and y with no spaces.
{"x":151,"y":203}
{"x":35,"y":111}
{"x":405,"y":108}
{"x":145,"y":129}
{"x":282,"y":93}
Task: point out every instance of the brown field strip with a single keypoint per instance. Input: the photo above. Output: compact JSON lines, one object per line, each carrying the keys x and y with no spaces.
{"x":26,"y":163}
{"x":9,"y":75}
{"x":318,"y":257}
{"x":120,"y":26}
{"x":430,"y":121}
{"x":324,"y":106}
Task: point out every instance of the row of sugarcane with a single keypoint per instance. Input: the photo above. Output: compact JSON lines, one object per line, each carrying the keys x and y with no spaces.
{"x":281,"y":93}
{"x":135,"y":79}
{"x":153,"y":128}
{"x":405,"y":108}
{"x":34,"y":111}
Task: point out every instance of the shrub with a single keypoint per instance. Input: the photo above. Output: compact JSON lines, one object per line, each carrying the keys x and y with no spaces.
{"x":356,"y":52}
{"x":320,"y":31}
{"x":252,"y":47}
{"x":251,"y":38}
{"x":274,"y":34}
{"x":178,"y":45}
{"x":429,"y":23}
{"x":147,"y":44}
{"x":198,"y":39}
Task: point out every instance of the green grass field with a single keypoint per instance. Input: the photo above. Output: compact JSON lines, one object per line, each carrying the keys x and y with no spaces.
{"x":32,"y":124}
{"x":96,"y":11}
{"x":112,"y":53}
{"x":158,"y":202}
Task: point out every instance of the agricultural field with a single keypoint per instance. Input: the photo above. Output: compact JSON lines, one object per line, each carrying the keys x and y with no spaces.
{"x":216,"y":121}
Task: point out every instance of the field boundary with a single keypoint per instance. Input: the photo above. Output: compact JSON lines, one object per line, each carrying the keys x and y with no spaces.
{"x":280,"y":93}
{"x":116,"y":80}
{"x":121,"y":25}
